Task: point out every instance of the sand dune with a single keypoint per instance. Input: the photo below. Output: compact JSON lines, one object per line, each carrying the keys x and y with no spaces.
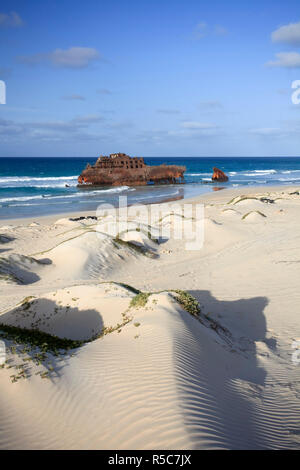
{"x":19,"y":269}
{"x":139,"y":365}
{"x":164,"y":380}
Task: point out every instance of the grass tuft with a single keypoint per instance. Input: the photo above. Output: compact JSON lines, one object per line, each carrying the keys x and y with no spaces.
{"x":188,"y":302}
{"x":37,"y":338}
{"x":252,"y":212}
{"x":140,"y":300}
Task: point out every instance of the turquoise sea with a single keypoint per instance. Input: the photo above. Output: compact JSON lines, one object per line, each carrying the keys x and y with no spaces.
{"x":42,"y":186}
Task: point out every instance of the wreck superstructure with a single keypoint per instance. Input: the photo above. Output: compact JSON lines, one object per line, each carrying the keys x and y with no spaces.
{"x":119,"y":169}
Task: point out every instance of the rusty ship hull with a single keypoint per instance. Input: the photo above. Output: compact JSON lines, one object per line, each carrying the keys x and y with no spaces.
{"x":122,"y":170}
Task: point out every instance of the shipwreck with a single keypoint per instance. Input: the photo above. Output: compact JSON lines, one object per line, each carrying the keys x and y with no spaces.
{"x":119,"y":169}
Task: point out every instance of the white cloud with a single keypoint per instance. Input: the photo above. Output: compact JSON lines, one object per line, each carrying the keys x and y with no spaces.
{"x":286,"y":59}
{"x":289,"y":34}
{"x":72,"y":126}
{"x":74,"y":57}
{"x":194,"y":125}
{"x":268,"y":132}
{"x":10,"y":20}
{"x":77,"y":129}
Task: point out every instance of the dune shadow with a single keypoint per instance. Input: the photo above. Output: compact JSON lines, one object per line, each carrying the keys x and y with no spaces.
{"x":5,"y":239}
{"x":2,"y":250}
{"x":17,"y":273}
{"x":64,"y":327}
{"x":45,"y":261}
{"x":22,"y":269}
{"x":243,"y":317}
{"x":223,"y":380}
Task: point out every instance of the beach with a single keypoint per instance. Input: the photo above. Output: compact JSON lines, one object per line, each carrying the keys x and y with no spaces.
{"x":156,"y":346}
{"x":34,"y":187}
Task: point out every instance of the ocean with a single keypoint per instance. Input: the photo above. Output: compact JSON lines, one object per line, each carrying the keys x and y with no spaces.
{"x":41,"y":186}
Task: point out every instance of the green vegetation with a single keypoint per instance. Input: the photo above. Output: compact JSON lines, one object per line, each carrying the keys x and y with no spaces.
{"x":177,"y":215}
{"x":26,"y":303}
{"x":234,"y":198}
{"x":253,"y":212}
{"x":130,"y":288}
{"x":121,"y":284}
{"x":245,"y":198}
{"x":37,"y":338}
{"x":133,"y":246}
{"x":44,"y":349}
{"x":140,"y":300}
{"x":188,"y":302}
{"x":64,"y":241}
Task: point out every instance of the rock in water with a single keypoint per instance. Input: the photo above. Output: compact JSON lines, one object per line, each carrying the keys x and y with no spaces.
{"x":218,"y":175}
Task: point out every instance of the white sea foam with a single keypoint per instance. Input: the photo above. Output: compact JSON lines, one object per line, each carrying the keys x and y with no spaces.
{"x":289,"y":179}
{"x":37,"y":182}
{"x":3,"y":179}
{"x":198,"y":174}
{"x":80,"y":194}
{"x":257,"y":173}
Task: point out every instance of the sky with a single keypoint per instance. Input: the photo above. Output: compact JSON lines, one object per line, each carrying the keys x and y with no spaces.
{"x":149,"y":78}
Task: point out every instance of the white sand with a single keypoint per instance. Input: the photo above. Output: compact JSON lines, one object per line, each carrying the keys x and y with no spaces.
{"x":159,"y":377}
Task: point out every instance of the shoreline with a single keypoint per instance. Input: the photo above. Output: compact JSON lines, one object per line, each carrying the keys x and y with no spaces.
{"x":201,"y":198}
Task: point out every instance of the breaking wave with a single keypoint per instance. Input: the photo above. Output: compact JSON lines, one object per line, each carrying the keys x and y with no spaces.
{"x":86,"y":193}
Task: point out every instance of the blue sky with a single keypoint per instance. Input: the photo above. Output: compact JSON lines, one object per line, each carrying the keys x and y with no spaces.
{"x":151,"y":78}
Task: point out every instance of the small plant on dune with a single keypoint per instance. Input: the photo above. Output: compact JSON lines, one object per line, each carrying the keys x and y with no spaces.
{"x":253,"y":212}
{"x":37,"y":338}
{"x":234,"y":198}
{"x":26,"y":303}
{"x":140,"y":300}
{"x":61,"y":243}
{"x":229,"y":209}
{"x":245,"y":198}
{"x":188,"y":302}
{"x":173,"y":214}
{"x":33,"y":346}
{"x":130,"y":288}
{"x":121,"y":284}
{"x":133,"y":246}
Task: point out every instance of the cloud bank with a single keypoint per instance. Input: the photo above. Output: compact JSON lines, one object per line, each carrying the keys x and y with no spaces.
{"x":74,"y":57}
